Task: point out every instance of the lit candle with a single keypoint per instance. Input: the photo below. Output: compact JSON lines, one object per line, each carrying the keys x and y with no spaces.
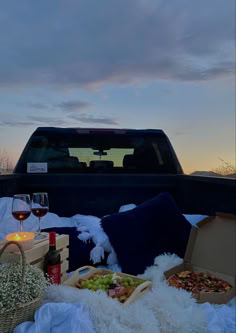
{"x":26,"y":240}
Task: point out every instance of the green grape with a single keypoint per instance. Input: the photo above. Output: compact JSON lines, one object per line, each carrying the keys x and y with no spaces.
{"x":83,"y":284}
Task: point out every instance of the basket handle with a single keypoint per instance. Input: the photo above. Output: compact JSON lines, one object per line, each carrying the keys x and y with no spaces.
{"x":22,"y":256}
{"x":83,"y":268}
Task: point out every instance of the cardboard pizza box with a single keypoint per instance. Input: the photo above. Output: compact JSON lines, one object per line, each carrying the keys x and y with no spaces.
{"x":89,"y":271}
{"x":211,"y":248}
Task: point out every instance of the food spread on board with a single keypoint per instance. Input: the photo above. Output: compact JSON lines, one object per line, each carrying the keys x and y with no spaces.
{"x":118,"y":287}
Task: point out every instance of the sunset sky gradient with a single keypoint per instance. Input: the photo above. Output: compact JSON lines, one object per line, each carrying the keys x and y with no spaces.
{"x":167,"y":64}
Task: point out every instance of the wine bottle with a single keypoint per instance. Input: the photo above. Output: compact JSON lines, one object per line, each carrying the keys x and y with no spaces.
{"x":52,"y":261}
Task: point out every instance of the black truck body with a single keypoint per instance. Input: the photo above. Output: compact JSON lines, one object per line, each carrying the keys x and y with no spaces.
{"x":95,"y":171}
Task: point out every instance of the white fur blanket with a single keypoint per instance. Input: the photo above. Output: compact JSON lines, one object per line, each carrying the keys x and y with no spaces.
{"x":162,"y":310}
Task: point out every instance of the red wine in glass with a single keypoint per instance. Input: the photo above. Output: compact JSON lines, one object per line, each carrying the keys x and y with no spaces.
{"x":21,"y":208}
{"x":39,"y":212}
{"x":21,"y":215}
{"x":39,"y":207}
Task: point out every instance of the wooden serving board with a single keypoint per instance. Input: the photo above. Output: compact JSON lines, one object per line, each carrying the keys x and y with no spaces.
{"x":138,"y":292}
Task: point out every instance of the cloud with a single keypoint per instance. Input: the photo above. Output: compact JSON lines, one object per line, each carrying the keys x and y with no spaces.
{"x":33,"y":121}
{"x":71,"y":106}
{"x":70,"y":121}
{"x":16,"y":123}
{"x":68,"y":106}
{"x":47,"y":121}
{"x":89,"y":119}
{"x":38,"y":106}
{"x":73,"y":44}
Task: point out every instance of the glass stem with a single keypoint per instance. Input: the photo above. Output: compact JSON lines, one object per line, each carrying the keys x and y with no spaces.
{"x":21,"y":225}
{"x":39,"y":226}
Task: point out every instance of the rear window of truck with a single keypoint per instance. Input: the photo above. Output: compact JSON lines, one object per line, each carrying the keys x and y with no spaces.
{"x":106,"y":153}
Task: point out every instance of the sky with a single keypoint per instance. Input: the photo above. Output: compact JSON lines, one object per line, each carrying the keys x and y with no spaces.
{"x":167,"y":64}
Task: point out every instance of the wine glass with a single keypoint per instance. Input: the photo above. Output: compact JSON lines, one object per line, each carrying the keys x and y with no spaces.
{"x":21,"y":208}
{"x":39,"y":207}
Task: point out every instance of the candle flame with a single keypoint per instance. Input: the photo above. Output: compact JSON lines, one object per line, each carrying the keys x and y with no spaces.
{"x":20,"y":236}
{"x":17,"y":237}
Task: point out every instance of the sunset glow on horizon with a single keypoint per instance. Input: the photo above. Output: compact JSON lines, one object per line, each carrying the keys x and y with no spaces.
{"x":118,"y":64}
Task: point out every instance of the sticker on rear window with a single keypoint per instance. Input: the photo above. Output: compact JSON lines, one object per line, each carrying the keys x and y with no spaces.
{"x":37,"y":167}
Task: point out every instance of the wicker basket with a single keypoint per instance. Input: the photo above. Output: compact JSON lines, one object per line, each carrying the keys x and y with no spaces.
{"x":22,"y":312}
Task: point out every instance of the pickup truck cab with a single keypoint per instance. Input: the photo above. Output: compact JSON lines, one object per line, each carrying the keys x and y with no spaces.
{"x":96,"y":171}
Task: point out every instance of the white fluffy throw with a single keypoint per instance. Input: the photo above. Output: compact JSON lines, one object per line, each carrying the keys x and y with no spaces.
{"x":90,"y":229}
{"x":162,"y":310}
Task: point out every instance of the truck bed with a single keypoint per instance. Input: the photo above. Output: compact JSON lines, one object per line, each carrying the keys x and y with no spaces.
{"x":99,"y":195}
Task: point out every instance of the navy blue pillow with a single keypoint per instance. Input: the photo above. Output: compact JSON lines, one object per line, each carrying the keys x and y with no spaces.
{"x":139,"y":235}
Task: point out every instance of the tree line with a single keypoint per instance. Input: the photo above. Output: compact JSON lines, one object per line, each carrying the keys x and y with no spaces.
{"x":6,"y":163}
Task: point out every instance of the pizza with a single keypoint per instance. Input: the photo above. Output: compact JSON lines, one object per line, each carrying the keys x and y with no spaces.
{"x":198,"y":282}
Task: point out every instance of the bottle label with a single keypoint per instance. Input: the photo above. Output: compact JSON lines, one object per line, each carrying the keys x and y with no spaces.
{"x":54,"y":273}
